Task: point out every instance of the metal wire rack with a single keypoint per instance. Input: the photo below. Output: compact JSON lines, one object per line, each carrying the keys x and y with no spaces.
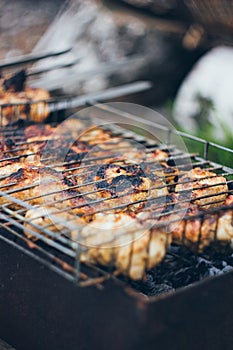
{"x":52,"y":106}
{"x":60,"y":252}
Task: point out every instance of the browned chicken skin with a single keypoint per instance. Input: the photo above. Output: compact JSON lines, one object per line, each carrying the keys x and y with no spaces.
{"x":31,"y":105}
{"x":200,"y":228}
{"x":207,"y":189}
{"x":118,"y":240}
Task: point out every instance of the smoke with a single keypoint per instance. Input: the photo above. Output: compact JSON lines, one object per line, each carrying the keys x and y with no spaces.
{"x":73,"y":28}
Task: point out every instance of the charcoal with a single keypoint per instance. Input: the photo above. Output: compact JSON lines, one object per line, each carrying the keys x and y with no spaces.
{"x":181,"y":268}
{"x":230,"y":260}
{"x":228,"y":268}
{"x":161,"y":288}
{"x":213,"y":271}
{"x":151,"y":285}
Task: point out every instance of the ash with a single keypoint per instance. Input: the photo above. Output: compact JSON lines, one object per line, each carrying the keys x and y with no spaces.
{"x":181,"y":268}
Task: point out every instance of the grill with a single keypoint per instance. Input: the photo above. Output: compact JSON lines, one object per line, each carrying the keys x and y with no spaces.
{"x":60,"y":252}
{"x":55,"y":106}
{"x":42,"y":247}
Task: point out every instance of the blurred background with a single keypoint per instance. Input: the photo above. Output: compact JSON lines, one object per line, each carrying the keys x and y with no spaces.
{"x":183,"y":47}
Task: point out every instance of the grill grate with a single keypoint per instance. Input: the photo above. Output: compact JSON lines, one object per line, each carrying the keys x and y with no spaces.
{"x":31,"y":58}
{"x":54,"y":106}
{"x":62,"y":254}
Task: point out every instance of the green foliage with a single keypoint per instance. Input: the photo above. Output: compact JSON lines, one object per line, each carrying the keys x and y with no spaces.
{"x":207,"y":132}
{"x":206,"y":129}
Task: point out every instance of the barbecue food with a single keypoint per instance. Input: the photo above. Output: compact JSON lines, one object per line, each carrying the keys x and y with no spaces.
{"x":13,"y":168}
{"x":200,"y":229}
{"x":204,"y":188}
{"x":18,"y":101}
{"x":224,"y":226}
{"x":122,"y":202}
{"x":37,"y":142}
{"x":29,"y":181}
{"x":40,"y":185}
{"x":50,"y":218}
{"x":119,"y":240}
{"x":29,"y":104}
{"x":123,"y":241}
{"x":122,"y":185}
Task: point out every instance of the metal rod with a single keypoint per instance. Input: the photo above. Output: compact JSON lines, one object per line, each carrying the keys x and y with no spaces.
{"x":121,"y":206}
{"x":44,"y":233}
{"x":133,"y":117}
{"x":44,"y":237}
{"x":49,"y":69}
{"x":108,"y":94}
{"x":32,"y":58}
{"x":23,"y":188}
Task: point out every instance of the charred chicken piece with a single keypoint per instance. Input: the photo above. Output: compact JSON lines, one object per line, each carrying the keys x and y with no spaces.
{"x":36,"y":131}
{"x":207,"y":189}
{"x":122,"y":241}
{"x":202,"y":228}
{"x":121,"y":185}
{"x":225,"y":223}
{"x":32,"y":102}
{"x":14,"y":167}
{"x":95,"y":135}
{"x":118,"y":240}
{"x":24,"y":145}
{"x":27,"y":182}
{"x":139,"y":155}
{"x":39,"y":185}
{"x":50,"y":218}
{"x":169,"y":174}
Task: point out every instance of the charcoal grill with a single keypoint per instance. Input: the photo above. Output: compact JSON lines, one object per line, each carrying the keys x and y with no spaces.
{"x":49,"y":300}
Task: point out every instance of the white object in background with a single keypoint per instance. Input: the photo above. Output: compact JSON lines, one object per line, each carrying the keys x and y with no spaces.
{"x":210,"y":79}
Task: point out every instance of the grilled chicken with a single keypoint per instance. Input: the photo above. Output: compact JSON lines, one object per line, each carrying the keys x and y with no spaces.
{"x":132,"y":242}
{"x":7,"y":170}
{"x":37,"y":185}
{"x":37,"y":142}
{"x":27,"y":182}
{"x":30,"y":103}
{"x":202,"y":228}
{"x":122,"y":202}
{"x":123,"y":241}
{"x":225,"y":223}
{"x":95,"y":134}
{"x":52,"y":219}
{"x":118,"y":240}
{"x":203,"y":187}
{"x":121,"y":186}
